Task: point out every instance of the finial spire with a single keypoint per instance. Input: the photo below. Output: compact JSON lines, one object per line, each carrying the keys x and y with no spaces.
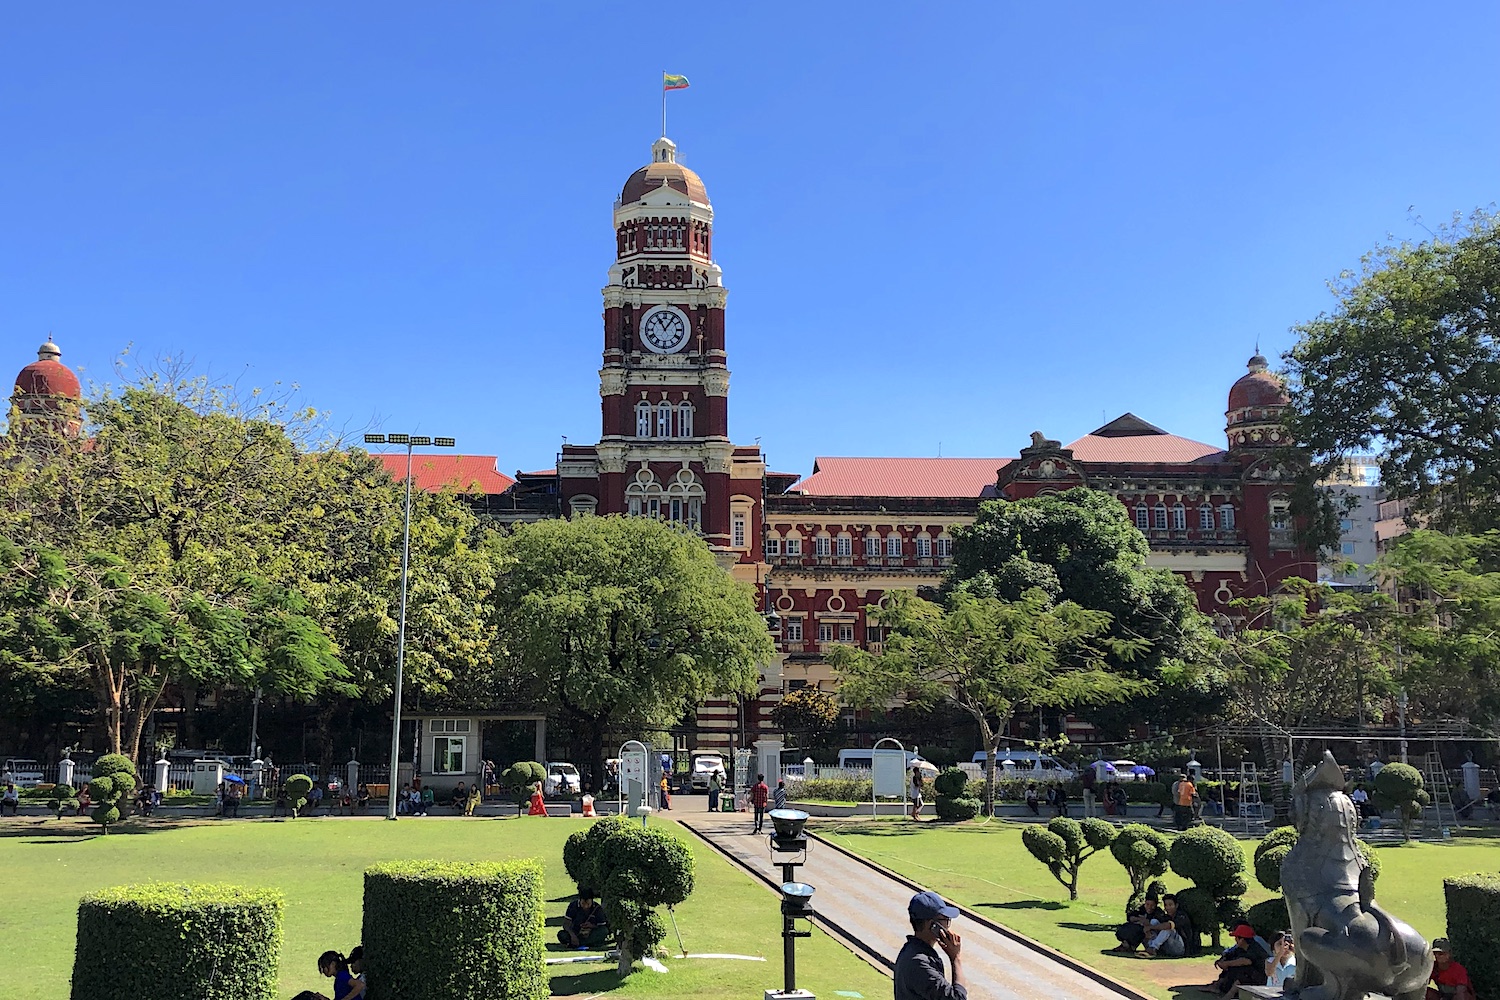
{"x":48,"y":351}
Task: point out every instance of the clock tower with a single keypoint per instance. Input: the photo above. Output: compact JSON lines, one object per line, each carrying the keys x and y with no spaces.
{"x":664,"y":449}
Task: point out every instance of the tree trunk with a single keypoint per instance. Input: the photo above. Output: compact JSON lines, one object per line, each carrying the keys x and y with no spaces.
{"x":988,"y":735}
{"x":189,"y":735}
{"x":595,"y":755}
{"x":625,"y":960}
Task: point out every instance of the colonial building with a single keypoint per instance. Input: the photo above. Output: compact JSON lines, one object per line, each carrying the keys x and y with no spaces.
{"x":822,"y":549}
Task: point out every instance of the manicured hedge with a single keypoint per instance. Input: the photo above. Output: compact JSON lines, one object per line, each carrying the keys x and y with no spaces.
{"x":171,"y":941}
{"x":957,"y":810}
{"x":440,"y":930}
{"x":1474,"y":928}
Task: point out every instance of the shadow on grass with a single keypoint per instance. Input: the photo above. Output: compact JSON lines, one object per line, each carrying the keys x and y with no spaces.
{"x":1075,"y":925}
{"x":589,"y":983}
{"x":53,"y":832}
{"x":1027,"y":904}
{"x":869,"y":829}
{"x":1196,"y":992}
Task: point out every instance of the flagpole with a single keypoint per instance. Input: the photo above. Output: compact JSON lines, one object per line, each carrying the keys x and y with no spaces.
{"x":664,"y":103}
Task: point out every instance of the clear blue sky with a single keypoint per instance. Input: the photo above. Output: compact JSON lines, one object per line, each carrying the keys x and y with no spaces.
{"x":938,"y":223}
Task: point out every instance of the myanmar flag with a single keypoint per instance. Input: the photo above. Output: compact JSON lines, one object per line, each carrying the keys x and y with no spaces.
{"x":671,"y":82}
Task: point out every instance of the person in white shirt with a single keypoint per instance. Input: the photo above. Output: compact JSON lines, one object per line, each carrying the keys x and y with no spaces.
{"x":1282,"y":965}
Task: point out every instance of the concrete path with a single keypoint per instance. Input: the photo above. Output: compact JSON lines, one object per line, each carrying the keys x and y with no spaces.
{"x":866,"y":908}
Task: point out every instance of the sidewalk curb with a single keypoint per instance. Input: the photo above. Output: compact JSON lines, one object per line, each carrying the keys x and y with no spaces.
{"x":1103,"y":979}
{"x":854,"y":944}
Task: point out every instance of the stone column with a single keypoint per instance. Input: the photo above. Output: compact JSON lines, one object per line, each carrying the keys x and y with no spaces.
{"x":162,"y":767}
{"x":352,"y":773}
{"x":767,"y":761}
{"x":65,"y":771}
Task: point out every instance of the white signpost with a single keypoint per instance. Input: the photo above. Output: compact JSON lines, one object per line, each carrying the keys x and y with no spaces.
{"x":635,"y":777}
{"x":888,"y":772}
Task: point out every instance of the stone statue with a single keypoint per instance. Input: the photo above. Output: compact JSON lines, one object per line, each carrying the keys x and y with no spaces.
{"x":1347,"y":947}
{"x":1042,"y":441}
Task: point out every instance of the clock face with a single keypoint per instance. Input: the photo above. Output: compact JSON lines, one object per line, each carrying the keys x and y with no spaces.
{"x":664,"y":329}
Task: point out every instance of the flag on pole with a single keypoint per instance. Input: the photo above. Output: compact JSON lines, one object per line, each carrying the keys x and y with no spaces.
{"x":670,"y":81}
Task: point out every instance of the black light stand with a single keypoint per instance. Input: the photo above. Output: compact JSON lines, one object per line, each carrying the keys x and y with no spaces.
{"x":789,"y":850}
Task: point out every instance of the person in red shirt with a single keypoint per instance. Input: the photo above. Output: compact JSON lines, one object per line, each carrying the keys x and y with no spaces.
{"x":1451,"y":978}
{"x":760,"y":794}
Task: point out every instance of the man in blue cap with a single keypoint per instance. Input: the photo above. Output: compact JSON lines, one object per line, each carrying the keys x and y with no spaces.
{"x":919,"y":970}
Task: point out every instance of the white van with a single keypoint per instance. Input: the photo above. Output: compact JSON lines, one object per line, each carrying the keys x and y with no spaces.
{"x":25,"y":772}
{"x":705,"y":764}
{"x":1027,"y":763}
{"x":853,"y":760}
{"x":562,"y":779}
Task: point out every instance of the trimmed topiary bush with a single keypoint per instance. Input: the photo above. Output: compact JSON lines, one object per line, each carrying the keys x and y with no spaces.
{"x":1399,"y":787}
{"x":957,"y":810}
{"x":111,"y":787}
{"x":297,"y":787}
{"x":1268,"y":917}
{"x":1212,"y":860}
{"x":450,"y":930}
{"x":634,"y":870}
{"x":1142,"y":851}
{"x":1473,"y":903}
{"x":62,"y":800}
{"x":171,"y":941}
{"x":951,"y":783}
{"x":1064,"y":844}
{"x":519,"y":778}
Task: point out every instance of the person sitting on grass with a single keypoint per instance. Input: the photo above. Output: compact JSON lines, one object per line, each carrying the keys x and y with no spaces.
{"x":584,"y":924}
{"x":1132,"y":933}
{"x":345,"y":986}
{"x":357,"y":962}
{"x":1242,"y":965}
{"x":1172,"y":934}
{"x":1451,"y":979}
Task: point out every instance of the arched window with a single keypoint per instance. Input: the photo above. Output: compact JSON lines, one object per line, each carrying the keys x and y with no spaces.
{"x":685,"y":419}
{"x":680,"y":501}
{"x":1179,"y":517}
{"x":1205,"y":518}
{"x":643,"y":419}
{"x":1159,"y":517}
{"x":1226,"y":517}
{"x":664,"y":420}
{"x":1142,"y":517}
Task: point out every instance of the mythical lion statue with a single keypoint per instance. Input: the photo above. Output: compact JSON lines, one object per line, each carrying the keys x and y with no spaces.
{"x":1347,"y":946}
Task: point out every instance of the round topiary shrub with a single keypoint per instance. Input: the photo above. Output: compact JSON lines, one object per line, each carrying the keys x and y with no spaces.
{"x":111,"y":787}
{"x":1399,"y":787}
{"x":63,"y":800}
{"x":445,"y":930}
{"x":297,"y":787}
{"x":172,"y":941}
{"x":1142,"y":852}
{"x":1268,"y":917}
{"x":956,"y":810}
{"x":1212,"y":860}
{"x":951,"y":783}
{"x":520,"y":777}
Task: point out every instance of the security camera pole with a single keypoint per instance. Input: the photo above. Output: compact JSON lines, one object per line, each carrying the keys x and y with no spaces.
{"x":789,"y":849}
{"x":411,"y":441}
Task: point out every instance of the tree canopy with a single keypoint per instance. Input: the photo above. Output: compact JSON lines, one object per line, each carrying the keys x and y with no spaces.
{"x":1407,"y":366}
{"x":620,"y":621}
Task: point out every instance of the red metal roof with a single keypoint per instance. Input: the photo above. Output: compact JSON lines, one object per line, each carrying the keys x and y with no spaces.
{"x":433,"y":473}
{"x":1140,"y":448}
{"x":900,"y":477}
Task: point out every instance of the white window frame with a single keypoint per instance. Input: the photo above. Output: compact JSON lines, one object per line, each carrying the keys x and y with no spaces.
{"x":1179,"y":517}
{"x":822,"y":546}
{"x":643,"y":419}
{"x":924,"y":547}
{"x":1226,"y":517}
{"x":793,"y":627}
{"x":944,"y":547}
{"x":1281,"y":515}
{"x":684,"y":420}
{"x":739,"y":530}
{"x":825,"y":631}
{"x":843,"y":546}
{"x":1159,"y":517}
{"x":1205,"y":518}
{"x":893,"y":545}
{"x":1142,"y":517}
{"x":664,"y":420}
{"x":872,"y":546}
{"x":846,"y":631}
{"x":794,"y":545}
{"x":443,"y":747}
{"x":773,"y":545}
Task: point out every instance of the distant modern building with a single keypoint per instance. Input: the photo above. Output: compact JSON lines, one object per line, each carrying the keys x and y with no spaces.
{"x":1357,"y":491}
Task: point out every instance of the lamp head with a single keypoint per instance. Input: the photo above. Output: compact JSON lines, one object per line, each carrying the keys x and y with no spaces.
{"x":796,"y":899}
{"x":787,"y":830}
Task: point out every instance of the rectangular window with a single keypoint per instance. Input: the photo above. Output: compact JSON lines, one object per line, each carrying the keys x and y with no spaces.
{"x":872,"y":546}
{"x":773,"y":546}
{"x":793,"y":629}
{"x":1179,"y":518}
{"x":738,"y":531}
{"x":1347,"y":548}
{"x":1142,"y":517}
{"x":893,"y":545}
{"x":794,"y":545}
{"x":796,"y":685}
{"x":664,"y":421}
{"x":846,"y":633}
{"x":1205,"y":518}
{"x":825,"y":632}
{"x":924,"y":547}
{"x":1159,"y":517}
{"x":845,"y":545}
{"x":676,"y":509}
{"x":872,"y":634}
{"x":1226,"y":517}
{"x":944,"y":547}
{"x":635,"y":506}
{"x":448,"y":755}
{"x":1281,"y":516}
{"x":821,"y":546}
{"x":1346,"y":524}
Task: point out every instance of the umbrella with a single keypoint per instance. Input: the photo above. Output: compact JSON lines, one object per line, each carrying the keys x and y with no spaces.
{"x":918,"y":764}
{"x":1142,"y":770}
{"x":1108,"y":767}
{"x":234,"y":778}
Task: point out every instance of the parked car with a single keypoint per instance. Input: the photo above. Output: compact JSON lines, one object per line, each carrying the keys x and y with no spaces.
{"x":562,"y":779}
{"x":1028,"y":764}
{"x":705,"y":763}
{"x":24,"y":771}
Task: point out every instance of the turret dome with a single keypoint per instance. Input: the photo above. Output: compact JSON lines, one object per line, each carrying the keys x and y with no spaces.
{"x":664,"y":171}
{"x":46,"y":378}
{"x":1257,"y":388}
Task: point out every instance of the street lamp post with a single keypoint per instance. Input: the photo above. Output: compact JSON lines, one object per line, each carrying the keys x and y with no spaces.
{"x":410,"y":441}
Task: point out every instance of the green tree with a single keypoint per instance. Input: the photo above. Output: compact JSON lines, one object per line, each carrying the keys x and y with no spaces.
{"x":520,"y":778}
{"x":619,"y":621}
{"x":809,"y":714}
{"x":1064,"y":844}
{"x":1080,"y":546}
{"x":1402,"y":791}
{"x":1142,"y":852}
{"x":1407,"y":366}
{"x":110,"y":788}
{"x":989,"y":658}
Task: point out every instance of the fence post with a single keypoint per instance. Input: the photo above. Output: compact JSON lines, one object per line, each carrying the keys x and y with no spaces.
{"x":65,"y":771}
{"x":162,"y":766}
{"x":352,"y":786}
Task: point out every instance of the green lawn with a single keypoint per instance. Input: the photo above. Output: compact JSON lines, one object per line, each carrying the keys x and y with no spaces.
{"x":318,"y":865}
{"x":985,"y":867}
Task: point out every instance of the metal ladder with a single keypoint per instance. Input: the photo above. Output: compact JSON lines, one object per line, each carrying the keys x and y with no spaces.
{"x":1435,"y":781}
{"x":1252,"y":811}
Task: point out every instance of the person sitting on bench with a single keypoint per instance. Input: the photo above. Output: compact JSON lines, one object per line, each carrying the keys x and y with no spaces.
{"x":584,"y":925}
{"x":1242,"y":965}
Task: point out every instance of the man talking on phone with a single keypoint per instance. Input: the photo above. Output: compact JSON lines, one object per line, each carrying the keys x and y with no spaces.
{"x":919,"y":970}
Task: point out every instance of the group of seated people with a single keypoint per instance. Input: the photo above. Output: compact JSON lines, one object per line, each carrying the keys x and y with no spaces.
{"x":147,"y":798}
{"x":1165,"y":931}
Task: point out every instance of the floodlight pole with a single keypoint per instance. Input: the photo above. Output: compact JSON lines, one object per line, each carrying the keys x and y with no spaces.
{"x":410,"y":441}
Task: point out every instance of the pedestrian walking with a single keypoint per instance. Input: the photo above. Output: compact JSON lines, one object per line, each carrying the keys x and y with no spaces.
{"x":760,"y":794}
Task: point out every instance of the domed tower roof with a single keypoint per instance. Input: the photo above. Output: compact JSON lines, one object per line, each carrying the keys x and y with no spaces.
{"x":1258,"y":387}
{"x":664,"y":170}
{"x":46,"y":379}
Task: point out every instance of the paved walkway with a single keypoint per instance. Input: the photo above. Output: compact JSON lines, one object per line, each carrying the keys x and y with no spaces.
{"x":867,"y":908}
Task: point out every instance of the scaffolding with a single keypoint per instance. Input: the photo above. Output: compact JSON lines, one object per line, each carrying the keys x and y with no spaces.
{"x":1442,"y":815}
{"x":1252,"y":813}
